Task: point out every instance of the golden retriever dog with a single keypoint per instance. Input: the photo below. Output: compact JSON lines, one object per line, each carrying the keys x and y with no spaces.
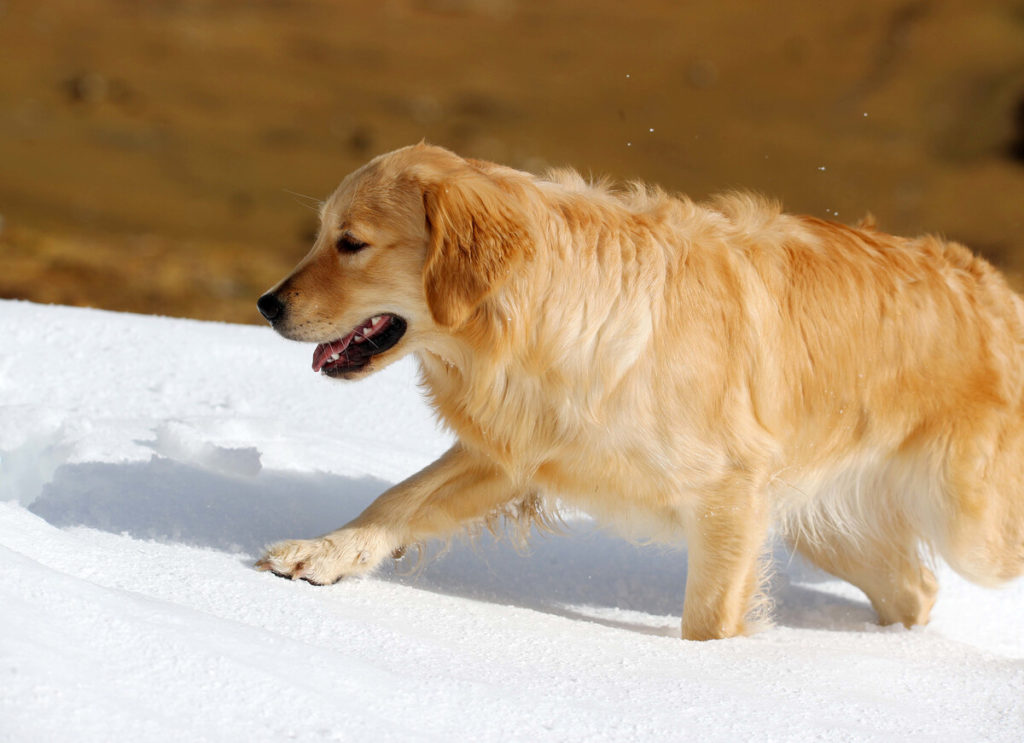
{"x":713,"y":372}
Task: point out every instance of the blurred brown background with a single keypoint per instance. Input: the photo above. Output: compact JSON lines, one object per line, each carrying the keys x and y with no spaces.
{"x":155,"y":155}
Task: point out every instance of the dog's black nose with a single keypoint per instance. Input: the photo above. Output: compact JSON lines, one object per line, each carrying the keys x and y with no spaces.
{"x":270,"y":306}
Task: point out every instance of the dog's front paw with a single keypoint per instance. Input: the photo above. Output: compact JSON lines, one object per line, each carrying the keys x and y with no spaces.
{"x":328,"y":559}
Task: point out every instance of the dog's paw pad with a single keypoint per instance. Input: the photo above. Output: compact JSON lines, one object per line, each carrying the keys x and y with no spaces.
{"x":298,"y":560}
{"x":328,"y":559}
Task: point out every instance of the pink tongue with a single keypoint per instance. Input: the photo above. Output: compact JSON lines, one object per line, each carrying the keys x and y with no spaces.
{"x":324,"y":351}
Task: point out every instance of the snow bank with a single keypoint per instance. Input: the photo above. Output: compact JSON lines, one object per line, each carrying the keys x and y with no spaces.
{"x":145,"y":461}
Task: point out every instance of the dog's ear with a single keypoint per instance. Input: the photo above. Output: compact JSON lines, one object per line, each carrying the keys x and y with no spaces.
{"x":478,"y":236}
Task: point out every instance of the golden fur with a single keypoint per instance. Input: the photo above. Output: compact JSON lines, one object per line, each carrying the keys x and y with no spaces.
{"x":681,"y":371}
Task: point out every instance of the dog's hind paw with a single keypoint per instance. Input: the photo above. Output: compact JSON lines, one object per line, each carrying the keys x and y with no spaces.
{"x":327,"y":559}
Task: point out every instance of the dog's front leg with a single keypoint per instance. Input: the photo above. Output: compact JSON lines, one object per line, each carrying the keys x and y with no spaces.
{"x":456,"y":490}
{"x":725,"y":544}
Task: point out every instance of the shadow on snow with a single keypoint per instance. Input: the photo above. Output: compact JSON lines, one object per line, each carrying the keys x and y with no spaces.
{"x":583,"y":573}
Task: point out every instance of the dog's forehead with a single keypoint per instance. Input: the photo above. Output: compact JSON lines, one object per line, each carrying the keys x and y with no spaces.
{"x":368,"y":194}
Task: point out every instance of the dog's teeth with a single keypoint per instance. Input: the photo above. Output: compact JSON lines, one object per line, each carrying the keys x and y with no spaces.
{"x":375,"y":319}
{"x":335,"y":357}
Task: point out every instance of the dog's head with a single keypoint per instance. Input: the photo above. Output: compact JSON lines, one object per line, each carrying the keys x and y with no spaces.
{"x":410,"y":245}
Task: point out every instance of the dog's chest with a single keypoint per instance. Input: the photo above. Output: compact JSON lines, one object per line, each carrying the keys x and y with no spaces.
{"x":569,"y":435}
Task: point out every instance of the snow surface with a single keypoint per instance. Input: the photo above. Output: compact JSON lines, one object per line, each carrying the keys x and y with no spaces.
{"x":145,"y":461}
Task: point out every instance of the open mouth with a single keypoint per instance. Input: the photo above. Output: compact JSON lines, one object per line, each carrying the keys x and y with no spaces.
{"x":354,"y":351}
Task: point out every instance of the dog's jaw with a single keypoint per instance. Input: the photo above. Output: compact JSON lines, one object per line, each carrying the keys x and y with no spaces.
{"x":352,"y":354}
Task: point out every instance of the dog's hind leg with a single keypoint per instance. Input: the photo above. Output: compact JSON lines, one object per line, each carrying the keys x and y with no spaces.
{"x":867,"y":540}
{"x":457,"y":490}
{"x":888,"y":570}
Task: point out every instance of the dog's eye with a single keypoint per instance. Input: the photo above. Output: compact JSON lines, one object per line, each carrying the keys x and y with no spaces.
{"x":348,"y":244}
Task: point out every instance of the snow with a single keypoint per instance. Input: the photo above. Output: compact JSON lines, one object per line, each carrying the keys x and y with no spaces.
{"x":145,"y":461}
